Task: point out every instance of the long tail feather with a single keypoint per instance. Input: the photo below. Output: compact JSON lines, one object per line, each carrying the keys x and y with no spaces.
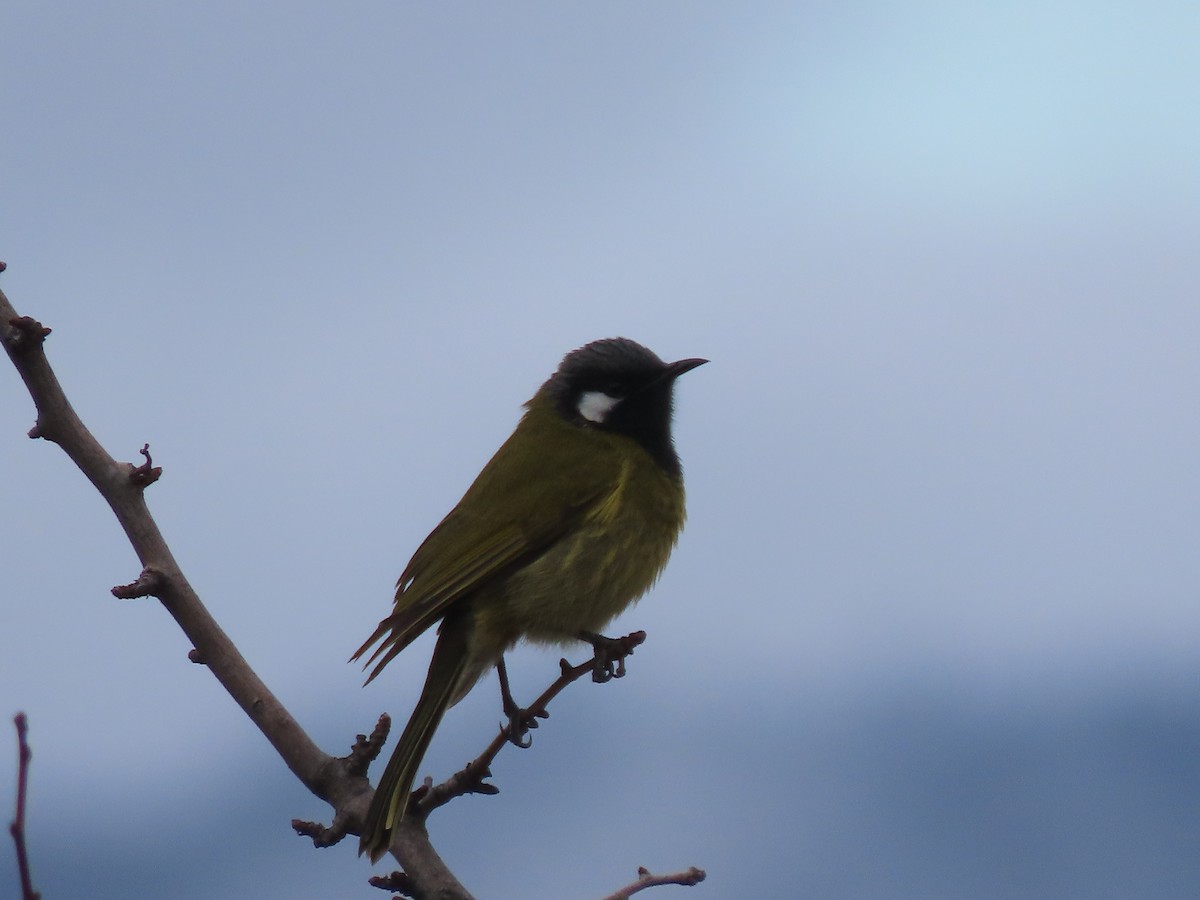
{"x":391,"y":795}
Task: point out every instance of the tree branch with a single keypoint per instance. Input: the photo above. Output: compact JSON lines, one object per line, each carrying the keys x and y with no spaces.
{"x":122,"y":486}
{"x":17,"y":828}
{"x":469,"y":779}
{"x":689,"y":878}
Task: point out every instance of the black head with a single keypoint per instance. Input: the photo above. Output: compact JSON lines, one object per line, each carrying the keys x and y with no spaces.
{"x":618,"y":385}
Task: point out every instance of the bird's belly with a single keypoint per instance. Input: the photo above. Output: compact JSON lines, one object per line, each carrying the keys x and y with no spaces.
{"x":586,"y":580}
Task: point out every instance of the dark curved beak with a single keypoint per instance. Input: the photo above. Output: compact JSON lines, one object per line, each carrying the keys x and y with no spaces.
{"x":675,"y":369}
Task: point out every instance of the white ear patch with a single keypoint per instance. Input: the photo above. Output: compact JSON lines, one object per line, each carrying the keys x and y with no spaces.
{"x":596,"y":405}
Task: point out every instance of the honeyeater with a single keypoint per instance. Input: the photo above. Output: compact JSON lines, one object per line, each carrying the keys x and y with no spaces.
{"x":571,"y":521}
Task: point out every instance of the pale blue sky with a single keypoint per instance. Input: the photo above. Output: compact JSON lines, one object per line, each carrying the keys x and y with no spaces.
{"x":932,"y":628}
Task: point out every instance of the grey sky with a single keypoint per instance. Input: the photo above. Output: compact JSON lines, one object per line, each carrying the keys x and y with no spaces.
{"x":932,"y":628}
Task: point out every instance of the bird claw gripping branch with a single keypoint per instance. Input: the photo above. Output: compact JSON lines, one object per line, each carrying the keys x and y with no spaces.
{"x":608,"y":661}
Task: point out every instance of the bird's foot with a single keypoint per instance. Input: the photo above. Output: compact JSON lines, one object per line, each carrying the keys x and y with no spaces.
{"x":520,"y":721}
{"x":608,"y":660}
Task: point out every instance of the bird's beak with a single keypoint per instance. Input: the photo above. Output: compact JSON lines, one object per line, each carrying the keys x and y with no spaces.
{"x":675,"y":369}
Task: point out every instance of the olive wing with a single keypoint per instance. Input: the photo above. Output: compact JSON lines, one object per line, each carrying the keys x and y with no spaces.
{"x":519,"y":506}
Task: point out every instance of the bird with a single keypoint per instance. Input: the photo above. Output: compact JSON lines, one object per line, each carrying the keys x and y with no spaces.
{"x":571,"y":521}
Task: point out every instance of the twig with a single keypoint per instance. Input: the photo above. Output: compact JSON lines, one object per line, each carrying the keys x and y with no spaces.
{"x":361,"y":755}
{"x":398,"y":882}
{"x":149,"y":584}
{"x":689,"y":878}
{"x":147,"y":473}
{"x":17,"y":828}
{"x":366,"y":747}
{"x":122,"y":485}
{"x":469,"y":779}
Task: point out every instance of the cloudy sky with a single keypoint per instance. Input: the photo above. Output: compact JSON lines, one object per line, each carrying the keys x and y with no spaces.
{"x":933,"y":628}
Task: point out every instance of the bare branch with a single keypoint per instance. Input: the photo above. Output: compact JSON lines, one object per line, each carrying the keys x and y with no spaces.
{"x":470,"y":779}
{"x":340,"y":782}
{"x":17,"y":828}
{"x":689,"y":878}
{"x":118,"y":484}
